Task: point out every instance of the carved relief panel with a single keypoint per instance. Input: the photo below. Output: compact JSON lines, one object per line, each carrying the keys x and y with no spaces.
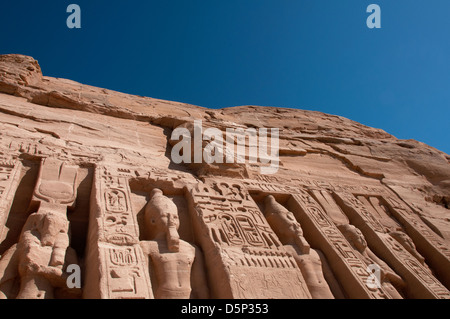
{"x":428,"y":243}
{"x":126,"y":277}
{"x":117,"y":223}
{"x":352,"y":272}
{"x":244,"y":256}
{"x":113,"y":244}
{"x":420,"y":283}
{"x":9,"y":180}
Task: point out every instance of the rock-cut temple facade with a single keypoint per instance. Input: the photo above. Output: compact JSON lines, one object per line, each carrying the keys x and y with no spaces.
{"x":88,"y":186}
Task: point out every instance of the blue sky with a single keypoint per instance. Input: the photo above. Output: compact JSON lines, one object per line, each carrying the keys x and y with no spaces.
{"x":307,"y":54}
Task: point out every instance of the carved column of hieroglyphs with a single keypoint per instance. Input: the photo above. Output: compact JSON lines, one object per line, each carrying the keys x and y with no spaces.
{"x":428,"y":243}
{"x":116,"y":267}
{"x":9,"y":180}
{"x":323,"y":234}
{"x":420,"y":282}
{"x":324,"y":198}
{"x":244,"y":257}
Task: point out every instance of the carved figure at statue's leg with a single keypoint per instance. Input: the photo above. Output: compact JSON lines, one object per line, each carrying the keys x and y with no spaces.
{"x":176,"y":265}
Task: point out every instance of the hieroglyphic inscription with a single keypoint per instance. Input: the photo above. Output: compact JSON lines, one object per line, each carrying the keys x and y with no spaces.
{"x":276,"y":283}
{"x":434,"y":288}
{"x":9,"y":180}
{"x":268,"y":187}
{"x":277,"y":183}
{"x":325,"y":199}
{"x":352,"y":202}
{"x":119,"y":225}
{"x":150,"y":174}
{"x":124,"y":274}
{"x":407,"y":216}
{"x":17,"y":146}
{"x":420,"y":282}
{"x":126,"y":277}
{"x":315,"y":222}
{"x":232,"y":217}
{"x":428,"y":243}
{"x":250,"y":253}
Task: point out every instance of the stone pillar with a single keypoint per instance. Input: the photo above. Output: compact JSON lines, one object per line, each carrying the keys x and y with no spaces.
{"x":115,"y":264}
{"x":324,"y":198}
{"x":420,"y":283}
{"x":322,"y":233}
{"x":244,"y":258}
{"x":428,"y":243}
{"x":9,"y":181}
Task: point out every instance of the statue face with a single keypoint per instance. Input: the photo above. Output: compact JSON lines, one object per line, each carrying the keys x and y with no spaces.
{"x":50,"y":227}
{"x":355,"y":236}
{"x":170,"y":220}
{"x":359,"y":240}
{"x":165,"y":220}
{"x":403,"y":238}
{"x":160,"y":216}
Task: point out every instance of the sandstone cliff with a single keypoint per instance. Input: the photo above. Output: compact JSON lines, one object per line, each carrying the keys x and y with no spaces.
{"x":86,"y":161}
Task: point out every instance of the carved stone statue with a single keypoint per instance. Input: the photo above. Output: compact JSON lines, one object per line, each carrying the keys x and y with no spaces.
{"x":176,"y":267}
{"x":285,"y":225}
{"x":408,"y":244}
{"x":42,"y":252}
{"x":38,"y":258}
{"x":392,"y":282}
{"x":311,"y":262}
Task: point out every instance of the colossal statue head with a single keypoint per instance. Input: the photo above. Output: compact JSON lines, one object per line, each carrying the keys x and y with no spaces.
{"x":354,"y":236}
{"x":161,"y":217}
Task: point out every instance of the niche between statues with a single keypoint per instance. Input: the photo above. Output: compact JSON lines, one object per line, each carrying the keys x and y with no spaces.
{"x":167,"y":240}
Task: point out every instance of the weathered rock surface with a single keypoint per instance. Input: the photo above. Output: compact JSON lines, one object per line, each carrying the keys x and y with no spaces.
{"x":80,"y":167}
